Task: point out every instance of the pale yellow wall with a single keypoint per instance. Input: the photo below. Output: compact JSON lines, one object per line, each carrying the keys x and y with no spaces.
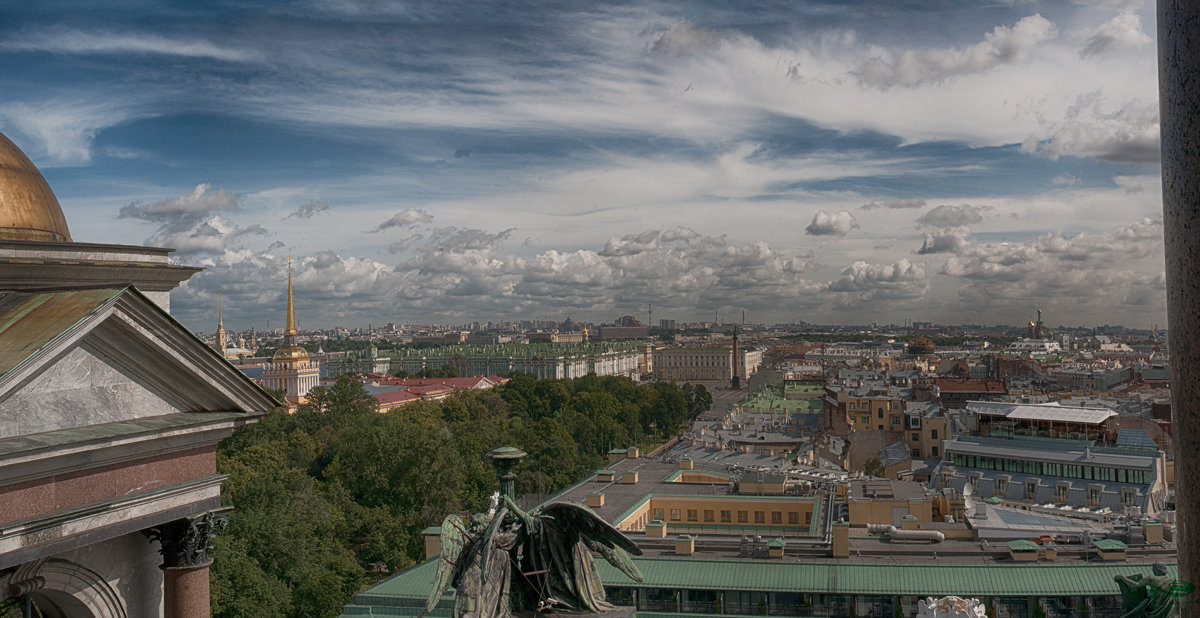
{"x":878,"y":511}
{"x":841,"y":540}
{"x":893,"y":471}
{"x":863,"y":413}
{"x":700,"y":477}
{"x":693,"y":364}
{"x":675,"y":510}
{"x":962,"y":532}
{"x":925,"y":440}
{"x":756,"y":487}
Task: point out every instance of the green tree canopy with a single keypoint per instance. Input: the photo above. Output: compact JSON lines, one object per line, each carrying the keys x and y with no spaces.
{"x":336,"y":495}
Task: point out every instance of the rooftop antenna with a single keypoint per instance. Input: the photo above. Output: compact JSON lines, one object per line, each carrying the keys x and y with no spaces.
{"x":650,"y":317}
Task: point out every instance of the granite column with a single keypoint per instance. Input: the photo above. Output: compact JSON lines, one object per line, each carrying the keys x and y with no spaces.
{"x":184,"y":545}
{"x":1179,"y":106}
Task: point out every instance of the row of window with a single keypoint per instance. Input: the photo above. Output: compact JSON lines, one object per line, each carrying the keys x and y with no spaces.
{"x":1074,"y":471}
{"x":866,"y":405}
{"x":743,"y":517}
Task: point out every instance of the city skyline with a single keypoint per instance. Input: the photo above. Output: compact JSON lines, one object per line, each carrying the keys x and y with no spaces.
{"x":449,"y":162}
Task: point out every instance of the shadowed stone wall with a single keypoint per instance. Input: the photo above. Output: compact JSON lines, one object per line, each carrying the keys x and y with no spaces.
{"x":1179,"y":104}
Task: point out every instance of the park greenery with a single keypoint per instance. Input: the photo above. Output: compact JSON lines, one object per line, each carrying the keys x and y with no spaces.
{"x":334,"y":497}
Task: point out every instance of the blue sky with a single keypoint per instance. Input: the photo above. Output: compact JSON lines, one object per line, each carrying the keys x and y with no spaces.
{"x":830,"y":162}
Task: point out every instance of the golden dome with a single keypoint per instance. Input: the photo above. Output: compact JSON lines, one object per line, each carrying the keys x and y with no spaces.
{"x":28,"y":208}
{"x":291,"y":353}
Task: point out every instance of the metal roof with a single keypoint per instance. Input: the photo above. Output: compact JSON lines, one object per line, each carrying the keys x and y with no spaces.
{"x":921,"y":580}
{"x":1047,"y":412}
{"x":1004,"y":580}
{"x":1022,"y":545}
{"x":1090,"y":416}
{"x":1135,"y":438}
{"x":31,"y":320}
{"x":1041,"y":412}
{"x":1052,"y":450}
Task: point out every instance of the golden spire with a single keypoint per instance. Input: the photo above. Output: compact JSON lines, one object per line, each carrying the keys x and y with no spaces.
{"x":219,"y":310}
{"x":291,"y":315}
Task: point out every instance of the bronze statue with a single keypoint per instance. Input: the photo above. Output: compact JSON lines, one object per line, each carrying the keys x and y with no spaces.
{"x":510,"y":560}
{"x":1152,"y":596}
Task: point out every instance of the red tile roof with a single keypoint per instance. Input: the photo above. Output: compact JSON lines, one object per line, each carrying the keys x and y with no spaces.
{"x":395,"y":398}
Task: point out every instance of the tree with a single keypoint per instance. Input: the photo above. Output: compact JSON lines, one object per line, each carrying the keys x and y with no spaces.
{"x":283,"y":530}
{"x":347,"y":396}
{"x":873,"y":467}
{"x":329,"y":496}
{"x":700,"y":400}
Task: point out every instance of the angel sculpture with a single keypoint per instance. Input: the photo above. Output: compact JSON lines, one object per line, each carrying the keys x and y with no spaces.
{"x":539,"y":561}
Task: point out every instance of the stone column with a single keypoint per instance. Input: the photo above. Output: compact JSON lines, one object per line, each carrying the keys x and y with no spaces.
{"x":186,"y":592}
{"x":1179,"y":106}
{"x":184,"y":545}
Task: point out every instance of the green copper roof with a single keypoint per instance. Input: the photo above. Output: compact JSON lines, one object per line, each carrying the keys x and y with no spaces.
{"x":1004,"y":580}
{"x":29,"y":321}
{"x":920,"y":580}
{"x":1022,"y":545}
{"x":1110,"y":545}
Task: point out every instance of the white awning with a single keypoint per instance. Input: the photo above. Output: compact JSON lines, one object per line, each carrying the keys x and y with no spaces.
{"x":1041,"y":412}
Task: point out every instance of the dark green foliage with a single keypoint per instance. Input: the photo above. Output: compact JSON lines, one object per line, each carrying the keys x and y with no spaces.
{"x":335,"y":496}
{"x":873,"y":467}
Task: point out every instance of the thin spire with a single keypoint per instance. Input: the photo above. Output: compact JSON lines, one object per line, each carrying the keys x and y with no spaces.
{"x":290,"y":329}
{"x":218,"y":308}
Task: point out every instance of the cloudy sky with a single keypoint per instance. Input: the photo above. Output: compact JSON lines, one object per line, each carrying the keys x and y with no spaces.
{"x":443,"y":161}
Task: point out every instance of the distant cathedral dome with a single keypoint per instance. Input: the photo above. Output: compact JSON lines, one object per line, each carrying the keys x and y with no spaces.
{"x":920,"y":345}
{"x":291,"y":353}
{"x":28,"y":208}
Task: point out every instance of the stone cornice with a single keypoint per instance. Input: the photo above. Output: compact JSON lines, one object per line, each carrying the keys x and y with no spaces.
{"x":25,"y":458}
{"x":23,"y":541}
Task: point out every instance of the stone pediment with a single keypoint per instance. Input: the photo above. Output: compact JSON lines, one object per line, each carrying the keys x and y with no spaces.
{"x":74,"y":358}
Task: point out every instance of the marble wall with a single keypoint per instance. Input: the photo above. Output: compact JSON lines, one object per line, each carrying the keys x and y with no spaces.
{"x":79,"y":389}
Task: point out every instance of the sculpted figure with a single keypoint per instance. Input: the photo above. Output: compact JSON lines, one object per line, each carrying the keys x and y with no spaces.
{"x":1152,"y":596}
{"x":510,"y":560}
{"x":950,"y":607}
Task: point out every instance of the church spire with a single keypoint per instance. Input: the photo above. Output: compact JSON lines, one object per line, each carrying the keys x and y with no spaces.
{"x":291,"y":312}
{"x":219,"y":337}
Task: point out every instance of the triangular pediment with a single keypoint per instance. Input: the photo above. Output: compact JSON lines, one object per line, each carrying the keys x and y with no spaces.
{"x":114,"y":359}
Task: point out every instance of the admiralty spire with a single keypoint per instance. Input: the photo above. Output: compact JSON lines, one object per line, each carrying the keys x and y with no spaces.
{"x":291,"y":370}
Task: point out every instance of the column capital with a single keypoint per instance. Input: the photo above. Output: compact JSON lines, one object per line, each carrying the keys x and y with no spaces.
{"x":186,"y":542}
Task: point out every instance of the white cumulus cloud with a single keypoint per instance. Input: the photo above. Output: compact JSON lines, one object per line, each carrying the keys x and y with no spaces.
{"x":831,"y":223}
